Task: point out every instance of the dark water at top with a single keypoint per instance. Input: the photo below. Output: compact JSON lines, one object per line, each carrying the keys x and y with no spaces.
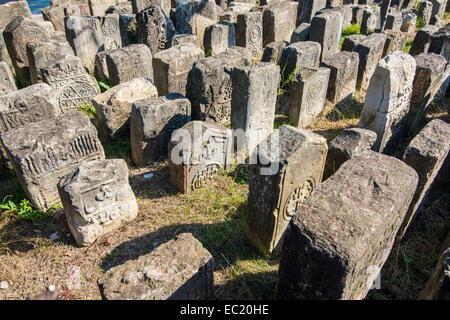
{"x":35,"y":5}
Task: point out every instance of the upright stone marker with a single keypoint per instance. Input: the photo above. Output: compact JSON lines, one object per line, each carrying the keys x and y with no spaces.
{"x":308,"y":8}
{"x":74,"y":86}
{"x":114,"y":106}
{"x":171,"y":67}
{"x":7,"y":83}
{"x":13,"y":9}
{"x":153,"y":121}
{"x":279,"y":21}
{"x":97,"y":199}
{"x":335,"y":249}
{"x":388,"y":98}
{"x":128,"y":63}
{"x":181,"y":269}
{"x":326,"y":29}
{"x":273,"y":51}
{"x":197,"y":151}
{"x":296,"y":158}
{"x":209,"y":86}
{"x":426,"y":153}
{"x":255,"y":90}
{"x":249,"y":32}
{"x":395,"y":41}
{"x":422,"y":40}
{"x":111,"y":32}
{"x":54,"y":14}
{"x":43,"y":152}
{"x":219,"y":37}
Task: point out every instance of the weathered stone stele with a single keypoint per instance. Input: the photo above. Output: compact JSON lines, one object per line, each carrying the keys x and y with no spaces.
{"x":296,"y":158}
{"x":155,"y":29}
{"x":13,"y":9}
{"x":279,"y":21}
{"x":219,"y":37}
{"x":86,"y":38}
{"x":17,"y":34}
{"x":426,"y":153}
{"x":54,"y":14}
{"x":340,"y":237}
{"x":273,"y":51}
{"x":308,"y":8}
{"x":114,"y":106}
{"x":326,"y":29}
{"x":81,"y":9}
{"x":128,"y":29}
{"x":308,"y":95}
{"x":249,"y":32}
{"x":422,"y":40}
{"x":297,"y":56}
{"x":388,"y":98}
{"x":30,"y":104}
{"x":209,"y":86}
{"x":4,"y":55}
{"x":43,"y":152}
{"x":97,"y":199}
{"x":43,"y":54}
{"x":301,"y":33}
{"x":429,"y":75}
{"x":343,"y":73}
{"x":197,"y":151}
{"x":139,"y":5}
{"x":440,"y":42}
{"x":185,"y":38}
{"x":111,"y":32}
{"x":101,"y":67}
{"x":347,"y":144}
{"x":255,"y":90}
{"x":233,"y":10}
{"x":128,"y":63}
{"x":73,"y":85}
{"x":171,"y":67}
{"x":395,"y":41}
{"x":351,"y":42}
{"x":152,"y":124}
{"x":193,"y":16}
{"x":369,"y":21}
{"x":7,"y":83}
{"x":98,"y":7}
{"x":424,"y":10}
{"x":181,"y":269}
{"x":409,"y":24}
{"x":393,"y":21}
{"x":120,"y":8}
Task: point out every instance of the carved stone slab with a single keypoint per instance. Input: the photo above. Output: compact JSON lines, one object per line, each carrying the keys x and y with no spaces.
{"x":7,"y":83}
{"x":97,"y":198}
{"x":43,"y":152}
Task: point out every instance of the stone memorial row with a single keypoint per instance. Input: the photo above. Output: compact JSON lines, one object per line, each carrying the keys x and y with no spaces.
{"x":198,"y":83}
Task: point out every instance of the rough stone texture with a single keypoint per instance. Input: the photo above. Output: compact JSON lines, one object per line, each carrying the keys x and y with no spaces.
{"x":155,"y":29}
{"x":272,"y":51}
{"x":81,"y":9}
{"x":409,"y":24}
{"x":120,"y":8}
{"x":326,"y":29}
{"x":343,"y":73}
{"x":73,"y":85}
{"x":279,"y":21}
{"x":351,"y":42}
{"x":301,"y":33}
{"x":388,"y":98}
{"x":209,"y":85}
{"x":297,"y":56}
{"x":11,"y":10}
{"x":430,"y":74}
{"x":128,"y":29}
{"x":4,"y":55}
{"x":438,"y":286}
{"x":17,"y":34}
{"x":98,"y":7}
{"x":219,"y":37}
{"x":249,"y":32}
{"x":255,"y":90}
{"x":197,"y":151}
{"x":234,"y":9}
{"x":101,"y":67}
{"x":426,"y":154}
{"x":7,"y":83}
{"x":171,"y":67}
{"x":111,"y":32}
{"x":357,"y":13}
{"x":308,"y":94}
{"x":340,"y":237}
{"x":369,"y":21}
{"x":30,"y":104}
{"x":345,"y":10}
{"x":43,"y":54}
{"x":43,"y":152}
{"x":97,"y":199}
{"x":139,"y":5}
{"x":393,"y":21}
{"x":395,"y":41}
{"x":184,"y":39}
{"x":153,"y":121}
{"x":193,"y":16}
{"x":440,"y":42}
{"x":438,"y":8}
{"x":370,"y":51}
{"x":55,"y":14}
{"x":297,"y":157}
{"x":128,"y":63}
{"x":181,"y":269}
{"x":347,"y":144}
{"x":308,"y":8}
{"x":85,"y":37}
{"x":422,"y":40}
{"x":424,"y":11}
{"x":114,"y":106}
